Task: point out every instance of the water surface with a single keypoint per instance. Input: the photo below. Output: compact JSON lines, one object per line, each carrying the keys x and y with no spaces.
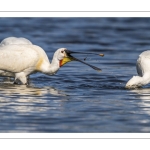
{"x":78,"y":99}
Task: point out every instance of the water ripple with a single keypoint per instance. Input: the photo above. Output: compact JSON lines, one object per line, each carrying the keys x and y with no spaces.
{"x":77,"y":98}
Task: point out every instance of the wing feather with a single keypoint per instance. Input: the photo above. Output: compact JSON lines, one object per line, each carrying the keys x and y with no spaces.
{"x":16,"y":58}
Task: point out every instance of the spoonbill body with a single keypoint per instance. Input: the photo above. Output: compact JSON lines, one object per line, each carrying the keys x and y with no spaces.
{"x":19,"y":58}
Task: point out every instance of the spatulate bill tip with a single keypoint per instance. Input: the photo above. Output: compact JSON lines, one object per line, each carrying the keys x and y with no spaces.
{"x":102,"y":55}
{"x":99,"y":70}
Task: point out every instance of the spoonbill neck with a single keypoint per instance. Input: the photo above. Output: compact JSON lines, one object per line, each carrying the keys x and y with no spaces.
{"x":53,"y":67}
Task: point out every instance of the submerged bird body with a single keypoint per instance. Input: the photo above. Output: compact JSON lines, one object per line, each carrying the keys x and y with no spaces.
{"x":143,"y":70}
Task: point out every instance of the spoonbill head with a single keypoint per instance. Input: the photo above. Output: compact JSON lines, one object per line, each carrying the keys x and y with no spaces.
{"x":143,"y":70}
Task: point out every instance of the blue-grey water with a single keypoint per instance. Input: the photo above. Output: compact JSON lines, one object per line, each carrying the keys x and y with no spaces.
{"x":79,"y":99}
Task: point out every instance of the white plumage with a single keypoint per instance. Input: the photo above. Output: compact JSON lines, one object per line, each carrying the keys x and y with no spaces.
{"x":15,"y":40}
{"x":19,"y":58}
{"x":143,"y":70}
{"x":12,"y":41}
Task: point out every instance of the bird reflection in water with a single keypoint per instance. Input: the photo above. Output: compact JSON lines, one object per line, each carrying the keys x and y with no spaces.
{"x":142,"y":93}
{"x":27,"y":99}
{"x":8,"y":88}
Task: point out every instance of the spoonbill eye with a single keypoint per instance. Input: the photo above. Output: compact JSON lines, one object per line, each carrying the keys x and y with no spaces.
{"x":62,"y":51}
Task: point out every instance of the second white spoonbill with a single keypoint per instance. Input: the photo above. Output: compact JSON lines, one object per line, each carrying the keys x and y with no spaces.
{"x":143,"y":70}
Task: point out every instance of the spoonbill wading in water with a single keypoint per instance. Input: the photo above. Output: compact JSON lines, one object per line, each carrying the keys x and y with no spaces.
{"x":143,"y":70}
{"x":19,"y":58}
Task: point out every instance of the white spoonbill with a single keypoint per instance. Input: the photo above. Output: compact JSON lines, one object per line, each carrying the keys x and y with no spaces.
{"x":19,"y":61}
{"x":143,"y":70}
